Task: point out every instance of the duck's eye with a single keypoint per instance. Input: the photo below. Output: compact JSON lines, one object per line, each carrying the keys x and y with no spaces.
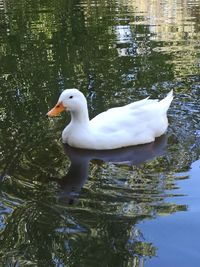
{"x":57,"y":106}
{"x":71,"y":96}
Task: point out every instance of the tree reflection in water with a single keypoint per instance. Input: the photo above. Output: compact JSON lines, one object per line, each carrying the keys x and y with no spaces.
{"x":116,"y":52}
{"x":52,"y":226}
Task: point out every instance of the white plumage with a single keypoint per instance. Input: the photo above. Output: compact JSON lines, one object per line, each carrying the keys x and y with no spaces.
{"x":136,"y":123}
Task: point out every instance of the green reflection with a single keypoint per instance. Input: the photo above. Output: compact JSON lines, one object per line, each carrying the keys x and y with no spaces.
{"x":44,"y":228}
{"x":115,"y":54}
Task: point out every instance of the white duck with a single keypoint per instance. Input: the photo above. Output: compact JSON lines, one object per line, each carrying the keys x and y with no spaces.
{"x":136,"y":123}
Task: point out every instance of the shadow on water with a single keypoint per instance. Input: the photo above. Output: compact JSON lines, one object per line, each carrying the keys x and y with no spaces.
{"x":78,"y":171}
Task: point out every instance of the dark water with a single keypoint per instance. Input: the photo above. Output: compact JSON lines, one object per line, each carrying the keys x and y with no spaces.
{"x":65,"y":207}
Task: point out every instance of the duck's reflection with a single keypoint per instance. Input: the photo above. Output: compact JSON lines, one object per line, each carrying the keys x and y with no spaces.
{"x":77,"y":175}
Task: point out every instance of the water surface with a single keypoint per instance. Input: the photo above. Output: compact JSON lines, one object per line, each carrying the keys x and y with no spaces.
{"x":66,"y":207}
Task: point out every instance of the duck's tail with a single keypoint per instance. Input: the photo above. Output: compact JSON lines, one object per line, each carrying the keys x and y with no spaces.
{"x":166,"y":102}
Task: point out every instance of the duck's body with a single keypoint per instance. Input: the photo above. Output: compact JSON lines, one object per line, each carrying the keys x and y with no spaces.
{"x":137,"y":123}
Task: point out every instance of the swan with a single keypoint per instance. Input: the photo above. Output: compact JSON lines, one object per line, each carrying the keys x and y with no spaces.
{"x":137,"y":123}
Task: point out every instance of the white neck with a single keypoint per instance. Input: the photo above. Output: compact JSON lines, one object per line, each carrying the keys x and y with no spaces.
{"x":80,"y":116}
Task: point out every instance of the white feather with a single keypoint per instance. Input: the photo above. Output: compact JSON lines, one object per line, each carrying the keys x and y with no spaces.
{"x":136,"y":123}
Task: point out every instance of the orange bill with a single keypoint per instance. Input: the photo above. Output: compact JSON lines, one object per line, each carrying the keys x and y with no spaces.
{"x":56,"y":110}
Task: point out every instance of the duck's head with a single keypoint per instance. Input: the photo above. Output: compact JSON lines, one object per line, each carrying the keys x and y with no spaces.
{"x":70,"y":100}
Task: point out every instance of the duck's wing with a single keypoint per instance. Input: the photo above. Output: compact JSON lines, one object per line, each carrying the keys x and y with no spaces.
{"x":143,"y":113}
{"x":118,"y":113}
{"x":121,"y":118}
{"x":163,"y":104}
{"x":140,"y":103}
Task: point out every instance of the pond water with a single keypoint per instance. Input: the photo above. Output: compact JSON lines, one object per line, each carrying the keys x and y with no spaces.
{"x":134,"y":207}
